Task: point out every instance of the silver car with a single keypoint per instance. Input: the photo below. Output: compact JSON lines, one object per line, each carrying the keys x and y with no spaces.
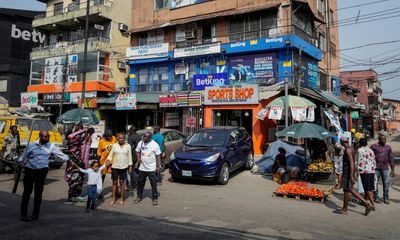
{"x":173,"y":140}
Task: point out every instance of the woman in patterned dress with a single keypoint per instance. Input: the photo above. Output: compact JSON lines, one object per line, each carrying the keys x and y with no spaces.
{"x":365,"y":165}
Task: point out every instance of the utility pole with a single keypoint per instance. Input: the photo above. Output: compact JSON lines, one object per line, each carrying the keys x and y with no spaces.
{"x":286,"y":102}
{"x":64,"y":80}
{"x":298,"y":75}
{"x":85,"y":53}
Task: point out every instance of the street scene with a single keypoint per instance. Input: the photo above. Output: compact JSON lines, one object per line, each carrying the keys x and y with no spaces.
{"x":199,"y":119}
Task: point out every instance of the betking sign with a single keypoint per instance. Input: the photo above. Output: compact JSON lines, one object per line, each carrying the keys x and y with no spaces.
{"x":27,"y":35}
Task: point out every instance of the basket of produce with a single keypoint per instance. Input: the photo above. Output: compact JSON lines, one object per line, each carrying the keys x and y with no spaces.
{"x":320,"y":169}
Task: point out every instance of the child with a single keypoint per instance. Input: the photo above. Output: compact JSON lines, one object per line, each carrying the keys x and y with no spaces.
{"x":94,"y":178}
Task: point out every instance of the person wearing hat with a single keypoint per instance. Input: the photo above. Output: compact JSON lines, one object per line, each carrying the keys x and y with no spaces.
{"x":348,"y":179}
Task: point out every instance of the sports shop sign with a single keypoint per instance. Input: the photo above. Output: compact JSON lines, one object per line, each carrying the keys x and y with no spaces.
{"x":231,"y":95}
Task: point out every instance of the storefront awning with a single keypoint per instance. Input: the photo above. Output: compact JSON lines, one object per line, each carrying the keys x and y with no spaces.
{"x":265,"y":95}
{"x":205,"y":16}
{"x":334,"y":100}
{"x":147,"y":97}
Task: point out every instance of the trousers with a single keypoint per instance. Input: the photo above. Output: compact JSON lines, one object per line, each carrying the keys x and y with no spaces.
{"x":384,"y":174}
{"x":92,"y":195}
{"x":33,"y":180}
{"x":142,"y":180}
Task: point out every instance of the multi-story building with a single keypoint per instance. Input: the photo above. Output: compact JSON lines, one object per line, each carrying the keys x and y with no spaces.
{"x":369,"y":85}
{"x":392,"y":114}
{"x":57,"y":64}
{"x":16,"y":40}
{"x":184,"y":46}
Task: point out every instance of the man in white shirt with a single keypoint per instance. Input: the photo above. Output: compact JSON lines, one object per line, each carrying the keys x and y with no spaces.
{"x":121,"y":164}
{"x":149,"y":159}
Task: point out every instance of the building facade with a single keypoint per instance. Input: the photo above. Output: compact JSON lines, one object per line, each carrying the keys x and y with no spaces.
{"x":16,"y":40}
{"x":227,"y":51}
{"x":392,"y":114}
{"x":367,"y":82}
{"x":57,"y":64}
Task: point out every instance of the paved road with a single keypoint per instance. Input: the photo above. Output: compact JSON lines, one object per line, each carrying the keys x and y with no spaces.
{"x":243,"y":209}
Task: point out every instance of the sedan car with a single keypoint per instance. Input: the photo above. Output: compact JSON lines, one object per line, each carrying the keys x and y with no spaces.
{"x":173,"y":141}
{"x":213,"y":153}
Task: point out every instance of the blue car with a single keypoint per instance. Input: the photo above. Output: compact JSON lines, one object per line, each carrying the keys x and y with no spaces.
{"x":213,"y":153}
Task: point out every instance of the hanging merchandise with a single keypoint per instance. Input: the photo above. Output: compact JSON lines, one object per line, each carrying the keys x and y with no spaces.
{"x":299,"y":114}
{"x":262,"y":114}
{"x":310,"y":115}
{"x":275,"y":113}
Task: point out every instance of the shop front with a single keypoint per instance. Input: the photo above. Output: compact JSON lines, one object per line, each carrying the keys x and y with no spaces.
{"x":235,"y":105}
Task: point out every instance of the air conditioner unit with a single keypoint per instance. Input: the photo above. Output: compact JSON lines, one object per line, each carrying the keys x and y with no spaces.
{"x":123,"y":27}
{"x":121,"y":65}
{"x":191,"y":34}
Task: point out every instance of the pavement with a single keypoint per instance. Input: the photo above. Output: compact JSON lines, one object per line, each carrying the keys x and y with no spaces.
{"x":242,"y":209}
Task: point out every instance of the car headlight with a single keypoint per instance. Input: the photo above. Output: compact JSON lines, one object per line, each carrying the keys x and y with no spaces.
{"x":172,"y":157}
{"x":212,"y":158}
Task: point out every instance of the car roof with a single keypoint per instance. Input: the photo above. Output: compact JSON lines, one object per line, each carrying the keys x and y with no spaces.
{"x":162,"y":130}
{"x":221,"y":128}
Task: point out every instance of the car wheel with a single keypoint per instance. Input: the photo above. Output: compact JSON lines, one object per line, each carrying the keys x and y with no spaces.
{"x":174,"y":178}
{"x":249,"y":161}
{"x":224,"y":174}
{"x":162,"y":166}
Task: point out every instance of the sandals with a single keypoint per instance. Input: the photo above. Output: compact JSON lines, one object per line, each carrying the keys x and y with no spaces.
{"x":137,"y":200}
{"x":340,"y":211}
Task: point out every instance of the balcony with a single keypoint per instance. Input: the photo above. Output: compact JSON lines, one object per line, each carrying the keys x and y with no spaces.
{"x":59,"y":49}
{"x":73,"y":14}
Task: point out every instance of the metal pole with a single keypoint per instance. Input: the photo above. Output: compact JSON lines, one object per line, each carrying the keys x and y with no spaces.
{"x":299,"y":70}
{"x":286,"y":103}
{"x":64,"y":80}
{"x":85,"y":53}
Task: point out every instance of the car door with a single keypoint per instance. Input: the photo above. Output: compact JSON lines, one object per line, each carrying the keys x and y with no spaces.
{"x":175,"y":143}
{"x":243,"y":146}
{"x":233,"y":150}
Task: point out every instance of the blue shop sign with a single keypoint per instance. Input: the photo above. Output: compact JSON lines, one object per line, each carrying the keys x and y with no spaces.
{"x":200,"y":81}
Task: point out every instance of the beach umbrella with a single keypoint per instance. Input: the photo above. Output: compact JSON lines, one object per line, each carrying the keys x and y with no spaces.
{"x":86,"y":116}
{"x":294,"y":101}
{"x":305,"y":130}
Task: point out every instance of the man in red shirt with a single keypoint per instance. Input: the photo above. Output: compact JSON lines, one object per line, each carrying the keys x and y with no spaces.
{"x":384,"y":158}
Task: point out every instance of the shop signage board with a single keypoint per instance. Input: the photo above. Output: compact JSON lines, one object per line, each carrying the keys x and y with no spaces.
{"x":29,"y":100}
{"x":181,"y":68}
{"x":149,"y":51}
{"x":200,"y":81}
{"x":72,"y":68}
{"x":255,"y":68}
{"x":191,"y":122}
{"x":181,"y":100}
{"x":231,"y":95}
{"x":54,"y":70}
{"x":172,"y":119}
{"x":52,"y":98}
{"x":89,"y":103}
{"x":76,"y":96}
{"x":196,"y":50}
{"x":126,"y":101}
{"x":3,"y":85}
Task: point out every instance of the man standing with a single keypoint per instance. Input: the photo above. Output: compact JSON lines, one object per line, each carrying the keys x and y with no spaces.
{"x":348,"y":179}
{"x":160,"y":140}
{"x":133,"y":140}
{"x":36,"y":159}
{"x":121,"y":164}
{"x":10,"y":149}
{"x":148,"y":155}
{"x":384,"y":158}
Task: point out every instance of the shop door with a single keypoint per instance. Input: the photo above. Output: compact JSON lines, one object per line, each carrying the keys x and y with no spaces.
{"x":247,"y":121}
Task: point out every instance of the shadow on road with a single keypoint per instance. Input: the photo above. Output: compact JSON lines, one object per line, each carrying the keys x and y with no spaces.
{"x":60,"y":221}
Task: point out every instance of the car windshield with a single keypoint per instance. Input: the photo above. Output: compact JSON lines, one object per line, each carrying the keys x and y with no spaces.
{"x":208,"y":139}
{"x":40,"y":125}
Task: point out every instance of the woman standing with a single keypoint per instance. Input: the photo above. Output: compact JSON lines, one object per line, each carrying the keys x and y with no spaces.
{"x":121,"y":165}
{"x":365,"y":164}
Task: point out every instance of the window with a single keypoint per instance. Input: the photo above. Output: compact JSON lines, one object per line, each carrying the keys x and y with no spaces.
{"x":58,"y":8}
{"x":175,"y":136}
{"x":253,"y":26}
{"x":208,"y":33}
{"x":151,"y":37}
{"x":160,"y":4}
{"x":322,"y":42}
{"x":143,"y":76}
{"x":331,"y":18}
{"x":332,"y":49}
{"x":160,"y":79}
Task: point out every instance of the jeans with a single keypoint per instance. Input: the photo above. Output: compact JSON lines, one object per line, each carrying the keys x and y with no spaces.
{"x":384,"y":175}
{"x":92,"y":195}
{"x":33,"y":180}
{"x":142,"y":180}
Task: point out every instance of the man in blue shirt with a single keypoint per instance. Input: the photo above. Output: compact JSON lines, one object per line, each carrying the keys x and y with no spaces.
{"x":36,"y":161}
{"x":160,"y":140}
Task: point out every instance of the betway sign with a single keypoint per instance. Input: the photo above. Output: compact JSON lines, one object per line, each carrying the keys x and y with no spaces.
{"x":27,"y":35}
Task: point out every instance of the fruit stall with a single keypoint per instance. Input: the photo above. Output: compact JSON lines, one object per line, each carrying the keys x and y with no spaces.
{"x":303,"y":191}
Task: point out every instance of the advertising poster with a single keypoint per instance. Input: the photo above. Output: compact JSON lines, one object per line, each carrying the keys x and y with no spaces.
{"x":29,"y":100}
{"x":54,"y":70}
{"x":299,"y":114}
{"x":181,"y":3}
{"x":257,"y":68}
{"x":125,"y":101}
{"x":172,"y":119}
{"x":275,"y":113}
{"x":72,"y":68}
{"x":200,"y":81}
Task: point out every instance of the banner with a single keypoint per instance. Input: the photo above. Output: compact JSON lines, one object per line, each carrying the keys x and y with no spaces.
{"x":231,"y":95}
{"x":256,"y":68}
{"x":29,"y":100}
{"x":148,"y":51}
{"x":262,"y":113}
{"x":53,"y":98}
{"x":275,"y":113}
{"x":72,"y":68}
{"x":200,"y":81}
{"x":182,"y":3}
{"x":89,"y":103}
{"x":299,"y":114}
{"x":54,"y":70}
{"x":196,"y":50}
{"x":310,"y":115}
{"x":76,"y":96}
{"x":126,"y":101}
{"x":334,"y":121}
{"x":191,"y":122}
{"x":180,"y":100}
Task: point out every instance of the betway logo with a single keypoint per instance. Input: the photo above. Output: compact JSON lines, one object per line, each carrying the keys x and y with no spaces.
{"x":26,"y":35}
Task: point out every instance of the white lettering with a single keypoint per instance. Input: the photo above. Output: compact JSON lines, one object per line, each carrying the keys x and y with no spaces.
{"x":26,"y":35}
{"x":238,"y":44}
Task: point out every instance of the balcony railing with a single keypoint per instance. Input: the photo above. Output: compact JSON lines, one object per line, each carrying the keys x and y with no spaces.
{"x":71,"y":43}
{"x":74,"y":7}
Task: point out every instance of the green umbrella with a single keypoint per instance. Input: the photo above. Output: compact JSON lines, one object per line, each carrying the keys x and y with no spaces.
{"x":305,"y":130}
{"x":86,"y":116}
{"x":294,"y":101}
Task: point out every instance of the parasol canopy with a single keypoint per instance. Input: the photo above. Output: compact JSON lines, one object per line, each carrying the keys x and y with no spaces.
{"x":294,"y":101}
{"x":305,"y":130}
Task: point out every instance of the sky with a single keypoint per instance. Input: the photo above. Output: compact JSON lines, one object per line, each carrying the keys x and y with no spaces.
{"x":378,"y":22}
